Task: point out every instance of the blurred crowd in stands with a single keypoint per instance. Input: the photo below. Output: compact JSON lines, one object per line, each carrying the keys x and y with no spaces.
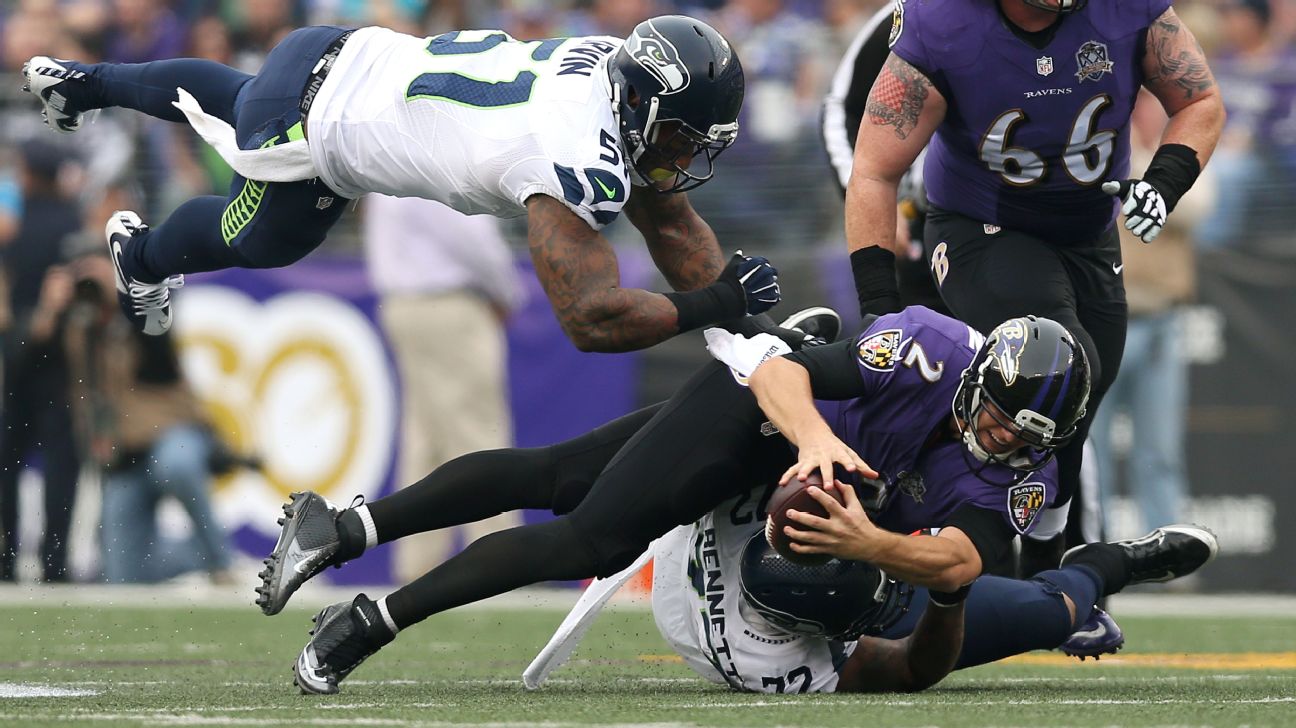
{"x":773,"y":191}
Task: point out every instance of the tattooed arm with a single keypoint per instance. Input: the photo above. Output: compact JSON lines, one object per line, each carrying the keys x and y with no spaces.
{"x":578,"y":269}
{"x":902,"y":112}
{"x":1176,"y":72}
{"x":910,"y":664}
{"x":682,"y":245}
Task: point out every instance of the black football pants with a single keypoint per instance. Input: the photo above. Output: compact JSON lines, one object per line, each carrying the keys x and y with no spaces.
{"x":625,"y":484}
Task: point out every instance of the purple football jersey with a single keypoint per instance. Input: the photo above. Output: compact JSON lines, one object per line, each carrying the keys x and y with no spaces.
{"x":911,"y":363}
{"x":1031,"y":133}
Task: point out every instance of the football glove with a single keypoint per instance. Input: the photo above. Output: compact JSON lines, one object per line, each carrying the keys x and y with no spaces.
{"x":1144,"y":207}
{"x":757,"y":278}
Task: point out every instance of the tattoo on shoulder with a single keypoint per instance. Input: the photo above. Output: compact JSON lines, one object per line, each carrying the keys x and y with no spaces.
{"x":898,"y":96}
{"x":1178,"y":58}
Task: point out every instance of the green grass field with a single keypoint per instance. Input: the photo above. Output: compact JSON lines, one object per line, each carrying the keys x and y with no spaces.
{"x":224,"y":665}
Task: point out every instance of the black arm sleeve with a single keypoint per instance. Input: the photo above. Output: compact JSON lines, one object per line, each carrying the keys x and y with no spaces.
{"x":988,"y":531}
{"x":833,"y":372}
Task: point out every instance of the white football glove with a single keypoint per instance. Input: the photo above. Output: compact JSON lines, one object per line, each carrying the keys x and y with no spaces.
{"x":1143,"y":206}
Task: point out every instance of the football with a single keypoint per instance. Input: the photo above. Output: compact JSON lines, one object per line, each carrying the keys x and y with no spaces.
{"x":795,"y":495}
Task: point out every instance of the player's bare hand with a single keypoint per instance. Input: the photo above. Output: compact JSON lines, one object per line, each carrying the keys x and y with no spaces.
{"x":820,"y":455}
{"x":847,"y":532}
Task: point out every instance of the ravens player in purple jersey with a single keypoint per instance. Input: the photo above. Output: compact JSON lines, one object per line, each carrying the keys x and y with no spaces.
{"x":958,"y":428}
{"x":1024,"y":108}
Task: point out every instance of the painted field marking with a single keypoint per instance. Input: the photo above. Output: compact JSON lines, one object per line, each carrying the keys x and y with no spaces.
{"x":31,"y":690}
{"x":1183,"y":660}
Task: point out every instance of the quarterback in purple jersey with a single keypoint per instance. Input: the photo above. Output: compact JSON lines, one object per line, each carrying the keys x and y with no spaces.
{"x":1024,"y":107}
{"x":960,"y":428}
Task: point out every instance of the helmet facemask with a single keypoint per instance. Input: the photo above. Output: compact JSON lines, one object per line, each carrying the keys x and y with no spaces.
{"x":654,"y":150}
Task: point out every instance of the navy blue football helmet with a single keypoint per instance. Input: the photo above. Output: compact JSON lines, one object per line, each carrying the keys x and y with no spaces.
{"x":677,"y":87}
{"x":1035,"y":377}
{"x":838,"y":600}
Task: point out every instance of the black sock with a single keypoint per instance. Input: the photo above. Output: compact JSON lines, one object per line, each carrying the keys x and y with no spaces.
{"x":494,"y":564}
{"x":351,"y":532}
{"x":1107,"y":561}
{"x":466,"y":490}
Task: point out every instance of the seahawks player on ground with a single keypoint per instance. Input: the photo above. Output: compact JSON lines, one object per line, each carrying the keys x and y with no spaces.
{"x":567,"y":131}
{"x":742,"y":615}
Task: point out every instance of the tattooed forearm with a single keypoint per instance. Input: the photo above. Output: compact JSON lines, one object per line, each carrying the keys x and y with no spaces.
{"x":682,"y":245}
{"x":1175,"y":58}
{"x":578,"y":270}
{"x":897,"y":97}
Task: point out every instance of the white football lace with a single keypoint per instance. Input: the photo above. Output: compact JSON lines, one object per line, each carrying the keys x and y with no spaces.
{"x":152,"y":296}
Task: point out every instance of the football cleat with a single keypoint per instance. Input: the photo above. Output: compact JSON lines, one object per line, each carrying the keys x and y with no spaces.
{"x":308,"y":543}
{"x":1099,"y":635}
{"x":44,"y":78}
{"x":146,"y":305}
{"x":820,"y":323}
{"x":1167,"y":553}
{"x":345,"y":634}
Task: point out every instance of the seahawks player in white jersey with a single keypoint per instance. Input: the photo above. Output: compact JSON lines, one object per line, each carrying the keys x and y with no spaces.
{"x":742,"y":615}
{"x":569,"y":132}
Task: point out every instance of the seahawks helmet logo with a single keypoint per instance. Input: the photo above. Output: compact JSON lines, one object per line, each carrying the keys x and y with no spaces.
{"x":658,"y":57}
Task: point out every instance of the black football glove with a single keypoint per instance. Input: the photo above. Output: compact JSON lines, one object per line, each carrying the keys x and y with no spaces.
{"x":1144,"y":207}
{"x":757,"y":278}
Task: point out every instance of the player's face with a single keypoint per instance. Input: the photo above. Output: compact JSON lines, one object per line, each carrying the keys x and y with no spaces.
{"x":995,"y":431}
{"x":670,"y":150}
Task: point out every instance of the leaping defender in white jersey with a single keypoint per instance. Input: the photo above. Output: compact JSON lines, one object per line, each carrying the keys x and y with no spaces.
{"x":568,"y":131}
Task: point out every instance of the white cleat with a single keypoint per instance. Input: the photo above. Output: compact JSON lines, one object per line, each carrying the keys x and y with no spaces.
{"x":44,"y":78}
{"x":147,"y":305}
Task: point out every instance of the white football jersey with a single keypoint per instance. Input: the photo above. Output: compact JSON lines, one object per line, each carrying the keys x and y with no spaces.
{"x":700,"y":611}
{"x":473,"y":119}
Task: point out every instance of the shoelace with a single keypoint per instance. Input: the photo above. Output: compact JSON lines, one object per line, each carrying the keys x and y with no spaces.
{"x":151,"y":296}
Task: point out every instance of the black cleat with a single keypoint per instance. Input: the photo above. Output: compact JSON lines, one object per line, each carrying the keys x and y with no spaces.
{"x":820,"y":323}
{"x":1169,"y":552}
{"x":345,"y":634}
{"x":308,"y":543}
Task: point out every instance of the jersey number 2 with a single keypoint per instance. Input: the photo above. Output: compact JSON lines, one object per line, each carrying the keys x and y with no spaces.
{"x":475,"y":92}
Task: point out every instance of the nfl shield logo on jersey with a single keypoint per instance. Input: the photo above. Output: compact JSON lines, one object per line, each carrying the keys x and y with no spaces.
{"x":1044,"y":65}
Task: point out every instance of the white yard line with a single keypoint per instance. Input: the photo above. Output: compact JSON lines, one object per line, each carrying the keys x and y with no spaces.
{"x":37,"y":690}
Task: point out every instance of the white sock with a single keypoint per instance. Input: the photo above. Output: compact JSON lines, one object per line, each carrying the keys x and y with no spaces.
{"x":386,"y":615}
{"x":371,"y":531}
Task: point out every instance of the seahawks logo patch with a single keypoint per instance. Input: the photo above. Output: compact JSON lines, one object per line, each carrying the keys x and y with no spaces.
{"x":879,"y":351}
{"x":1025,"y":501}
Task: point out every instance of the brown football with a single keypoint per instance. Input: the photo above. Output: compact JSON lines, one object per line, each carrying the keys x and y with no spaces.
{"x":795,"y":495}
